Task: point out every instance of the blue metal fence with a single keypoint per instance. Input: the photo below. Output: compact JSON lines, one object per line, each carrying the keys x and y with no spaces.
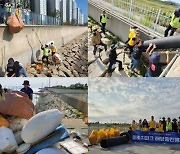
{"x":31,"y":18}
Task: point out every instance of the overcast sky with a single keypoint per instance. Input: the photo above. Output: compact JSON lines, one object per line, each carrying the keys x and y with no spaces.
{"x":36,"y":83}
{"x":124,"y":99}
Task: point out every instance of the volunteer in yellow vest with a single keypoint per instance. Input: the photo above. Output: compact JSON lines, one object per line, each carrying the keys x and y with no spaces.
{"x":45,"y":53}
{"x":132,"y":42}
{"x":133,"y":31}
{"x":145,"y":126}
{"x":169,"y":125}
{"x":8,"y":8}
{"x":103,"y":21}
{"x":133,"y":125}
{"x":18,"y":10}
{"x":160,"y":126}
{"x":152,"y":124}
{"x":174,"y":24}
{"x":53,"y":48}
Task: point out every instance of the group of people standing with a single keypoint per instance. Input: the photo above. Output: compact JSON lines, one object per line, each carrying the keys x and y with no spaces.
{"x":136,"y":48}
{"x":164,"y":125}
{"x":8,"y":8}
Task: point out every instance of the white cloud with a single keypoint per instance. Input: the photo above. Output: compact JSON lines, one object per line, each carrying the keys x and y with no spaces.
{"x":124,"y":99}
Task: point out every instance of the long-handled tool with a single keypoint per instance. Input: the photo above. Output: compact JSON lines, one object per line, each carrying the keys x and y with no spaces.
{"x":37,"y":36}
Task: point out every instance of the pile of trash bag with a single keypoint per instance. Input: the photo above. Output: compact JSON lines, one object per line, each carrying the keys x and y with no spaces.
{"x":97,"y":136}
{"x":23,"y":131}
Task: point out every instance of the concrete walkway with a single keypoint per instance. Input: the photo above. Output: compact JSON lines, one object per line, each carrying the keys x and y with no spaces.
{"x":136,"y":148}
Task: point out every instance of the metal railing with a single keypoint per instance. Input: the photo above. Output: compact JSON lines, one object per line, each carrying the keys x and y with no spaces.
{"x":31,"y":18}
{"x":153,"y":18}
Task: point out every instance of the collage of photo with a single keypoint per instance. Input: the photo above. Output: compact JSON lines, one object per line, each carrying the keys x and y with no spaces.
{"x":89,"y":76}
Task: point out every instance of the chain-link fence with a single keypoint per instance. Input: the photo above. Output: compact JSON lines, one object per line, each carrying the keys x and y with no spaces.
{"x":154,"y":18}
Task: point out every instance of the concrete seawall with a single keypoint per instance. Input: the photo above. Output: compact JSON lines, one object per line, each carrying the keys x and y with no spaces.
{"x":75,"y":98}
{"x":25,"y":47}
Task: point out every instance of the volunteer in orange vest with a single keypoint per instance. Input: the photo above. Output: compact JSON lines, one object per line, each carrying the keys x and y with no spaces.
{"x":152,"y":124}
{"x":103,"y":21}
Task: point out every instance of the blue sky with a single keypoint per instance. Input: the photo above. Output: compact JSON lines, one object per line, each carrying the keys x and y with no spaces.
{"x":124,"y":99}
{"x":83,"y":5}
{"x":177,"y":1}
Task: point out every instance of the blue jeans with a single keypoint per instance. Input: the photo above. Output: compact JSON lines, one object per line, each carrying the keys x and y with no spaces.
{"x":22,"y":72}
{"x":134,"y":63}
{"x":148,"y":74}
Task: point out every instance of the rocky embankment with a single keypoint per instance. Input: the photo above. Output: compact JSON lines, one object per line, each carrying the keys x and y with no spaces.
{"x":75,"y":63}
{"x":48,"y":101}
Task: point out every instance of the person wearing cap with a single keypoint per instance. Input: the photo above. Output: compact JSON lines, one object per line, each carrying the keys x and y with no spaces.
{"x":136,"y":55}
{"x":133,"y":31}
{"x":132,"y":42}
{"x":113,"y":59}
{"x":174,"y":24}
{"x":174,"y":125}
{"x":179,"y":125}
{"x":96,"y":40}
{"x":27,"y":90}
{"x":169,"y":125}
{"x":152,"y":124}
{"x":14,"y":69}
{"x":46,"y":52}
{"x":53,"y":48}
{"x":164,"y":124}
{"x":103,"y":20}
{"x":18,"y":10}
{"x":155,"y":66}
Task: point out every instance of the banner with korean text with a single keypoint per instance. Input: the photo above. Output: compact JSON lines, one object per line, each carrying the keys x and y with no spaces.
{"x":155,"y":137}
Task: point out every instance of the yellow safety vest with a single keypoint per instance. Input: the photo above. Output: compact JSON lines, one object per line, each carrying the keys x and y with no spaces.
{"x":175,"y":21}
{"x":46,"y":51}
{"x":133,"y":126}
{"x":18,"y":12}
{"x":53,"y":49}
{"x":104,"y":18}
{"x":8,"y":9}
{"x":131,"y":41}
{"x":160,"y":127}
{"x":168,"y":126}
{"x":132,"y":33}
{"x":152,"y":124}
